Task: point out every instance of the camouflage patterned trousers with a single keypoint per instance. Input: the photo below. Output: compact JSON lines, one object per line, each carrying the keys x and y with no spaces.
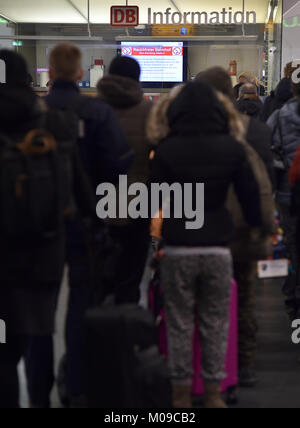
{"x":197,"y":281}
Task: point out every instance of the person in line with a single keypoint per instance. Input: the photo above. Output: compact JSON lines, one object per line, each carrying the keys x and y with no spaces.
{"x":247,"y":251}
{"x":258,"y":134}
{"x":106,"y":155}
{"x":261,"y":90}
{"x":285,"y":125}
{"x":243,"y":79}
{"x":31,"y":268}
{"x":249,"y":102}
{"x":122,"y":90}
{"x":197,"y":264}
{"x":282,"y":94}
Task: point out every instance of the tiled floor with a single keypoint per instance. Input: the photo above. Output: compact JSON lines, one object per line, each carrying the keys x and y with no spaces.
{"x":278,"y":359}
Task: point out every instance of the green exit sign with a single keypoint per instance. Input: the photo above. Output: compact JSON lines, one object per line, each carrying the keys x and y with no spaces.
{"x":17,"y":43}
{"x":3,"y":21}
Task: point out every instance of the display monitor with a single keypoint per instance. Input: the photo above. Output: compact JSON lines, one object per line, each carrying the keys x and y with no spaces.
{"x":163,"y":64}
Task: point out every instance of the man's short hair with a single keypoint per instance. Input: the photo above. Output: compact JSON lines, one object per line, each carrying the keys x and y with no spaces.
{"x":248,"y":89}
{"x":65,"y":61}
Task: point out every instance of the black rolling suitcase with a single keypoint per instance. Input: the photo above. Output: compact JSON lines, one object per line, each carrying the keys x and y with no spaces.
{"x":124,"y":366}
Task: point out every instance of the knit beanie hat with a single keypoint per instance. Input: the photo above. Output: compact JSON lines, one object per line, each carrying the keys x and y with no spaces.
{"x":126,"y":67}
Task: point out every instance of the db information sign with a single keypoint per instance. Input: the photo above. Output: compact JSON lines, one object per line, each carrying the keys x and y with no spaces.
{"x":124,"y":16}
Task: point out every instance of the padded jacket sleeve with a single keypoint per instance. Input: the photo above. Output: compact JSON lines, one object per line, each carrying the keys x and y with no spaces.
{"x":83,"y":191}
{"x":247,"y":191}
{"x":113,"y":156}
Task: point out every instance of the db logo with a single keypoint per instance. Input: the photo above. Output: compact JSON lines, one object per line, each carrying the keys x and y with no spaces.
{"x":124,"y":16}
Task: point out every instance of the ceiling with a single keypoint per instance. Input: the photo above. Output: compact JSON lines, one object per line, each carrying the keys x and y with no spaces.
{"x":75,"y":11}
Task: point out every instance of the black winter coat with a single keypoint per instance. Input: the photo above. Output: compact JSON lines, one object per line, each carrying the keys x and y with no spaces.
{"x":200,"y":150}
{"x":126,"y":97}
{"x":277,"y":99}
{"x":250,"y":106}
{"x":31,"y":273}
{"x":104,"y":149}
{"x":259,"y":136}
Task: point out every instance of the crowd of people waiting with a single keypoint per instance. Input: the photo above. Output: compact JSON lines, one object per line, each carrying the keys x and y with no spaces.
{"x":204,"y":131}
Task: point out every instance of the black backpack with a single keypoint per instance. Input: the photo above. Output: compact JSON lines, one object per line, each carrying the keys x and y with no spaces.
{"x":36,"y":182}
{"x":31,"y":199}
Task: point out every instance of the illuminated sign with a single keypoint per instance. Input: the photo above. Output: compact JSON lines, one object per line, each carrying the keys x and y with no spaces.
{"x":124,"y":16}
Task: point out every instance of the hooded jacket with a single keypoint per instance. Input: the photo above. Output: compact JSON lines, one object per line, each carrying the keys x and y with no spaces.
{"x":31,"y":272}
{"x":250,"y":105}
{"x":288,"y":121}
{"x":259,"y":137}
{"x":277,"y":99}
{"x":250,"y":244}
{"x":199,"y":149}
{"x":104,"y":151}
{"x":126,"y":97}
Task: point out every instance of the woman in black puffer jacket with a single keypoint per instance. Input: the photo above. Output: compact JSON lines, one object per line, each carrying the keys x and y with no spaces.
{"x":197,"y":263}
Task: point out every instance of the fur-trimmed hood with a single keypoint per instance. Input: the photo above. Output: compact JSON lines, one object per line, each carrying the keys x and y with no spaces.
{"x":158,"y":124}
{"x":251,"y":244}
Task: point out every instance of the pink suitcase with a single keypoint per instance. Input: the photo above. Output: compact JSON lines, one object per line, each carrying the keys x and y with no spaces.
{"x":231,"y":363}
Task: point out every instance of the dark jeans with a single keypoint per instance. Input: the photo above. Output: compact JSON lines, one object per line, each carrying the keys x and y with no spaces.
{"x":78,"y":304}
{"x":245,"y":275}
{"x":10,"y":356}
{"x":40,"y":370}
{"x":39,"y":365}
{"x":134,"y":241}
{"x":40,"y":355}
